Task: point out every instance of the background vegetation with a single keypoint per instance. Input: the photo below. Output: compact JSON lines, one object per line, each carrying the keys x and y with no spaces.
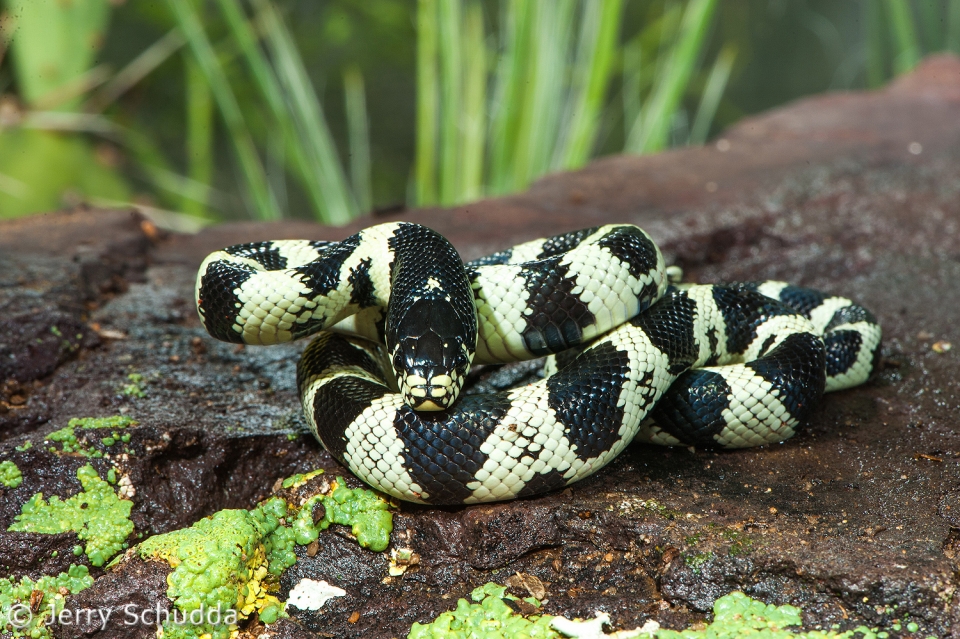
{"x":326,"y":109}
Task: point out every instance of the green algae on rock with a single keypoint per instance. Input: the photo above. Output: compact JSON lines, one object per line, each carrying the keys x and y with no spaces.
{"x":299,"y":479}
{"x":10,"y":476}
{"x":231,"y":561}
{"x":227,"y":562}
{"x":96,"y":514}
{"x":366,"y":512}
{"x":735,"y":615}
{"x":18,"y":599}
{"x":135,"y":387}
{"x":489,"y":617}
{"x":70,"y":443}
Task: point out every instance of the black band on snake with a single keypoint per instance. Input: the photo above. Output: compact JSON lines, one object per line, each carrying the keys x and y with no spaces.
{"x":400,"y":319}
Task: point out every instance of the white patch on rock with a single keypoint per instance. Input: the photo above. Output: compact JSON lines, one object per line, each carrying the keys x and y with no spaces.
{"x":310,"y":594}
{"x":593,"y":629}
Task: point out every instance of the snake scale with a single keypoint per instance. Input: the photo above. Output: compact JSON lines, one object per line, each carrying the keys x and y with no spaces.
{"x":399,"y":320}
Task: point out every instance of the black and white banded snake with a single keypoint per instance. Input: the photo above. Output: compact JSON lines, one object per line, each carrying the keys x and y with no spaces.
{"x":744,"y":363}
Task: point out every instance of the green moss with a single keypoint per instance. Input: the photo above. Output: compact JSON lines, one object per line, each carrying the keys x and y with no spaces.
{"x":694,"y":539}
{"x":366,"y":512}
{"x":488,"y":617}
{"x":363,"y":510}
{"x":71,"y":444}
{"x":231,"y":560}
{"x":735,"y":615}
{"x":135,"y":387}
{"x":10,"y":475}
{"x":224,"y":563}
{"x":15,"y":595}
{"x":652,"y":505}
{"x":27,"y":445}
{"x":116,"y":421}
{"x":270,"y":614}
{"x":97,"y":515}
{"x":697,"y":560}
{"x":741,"y":544}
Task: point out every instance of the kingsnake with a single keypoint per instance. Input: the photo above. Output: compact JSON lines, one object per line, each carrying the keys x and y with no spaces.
{"x":744,"y":363}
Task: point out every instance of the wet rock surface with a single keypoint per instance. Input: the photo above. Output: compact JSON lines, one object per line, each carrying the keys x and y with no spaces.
{"x":855,"y":519}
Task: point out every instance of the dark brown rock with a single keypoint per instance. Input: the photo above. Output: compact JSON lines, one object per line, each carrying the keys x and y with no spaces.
{"x":854,"y":519}
{"x":127,"y":603}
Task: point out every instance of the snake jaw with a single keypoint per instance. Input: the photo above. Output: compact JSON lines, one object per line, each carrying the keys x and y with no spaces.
{"x":428,"y":394}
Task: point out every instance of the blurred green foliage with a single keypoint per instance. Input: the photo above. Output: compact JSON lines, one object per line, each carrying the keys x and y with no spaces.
{"x":53,"y":57}
{"x":325,"y":109}
{"x":55,"y":47}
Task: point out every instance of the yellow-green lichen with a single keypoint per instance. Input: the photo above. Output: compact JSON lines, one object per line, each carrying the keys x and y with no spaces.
{"x":97,"y":515}
{"x":10,"y":475}
{"x":298,"y":480}
{"x":363,"y":510}
{"x":224,"y":563}
{"x":231,"y":560}
{"x":488,"y":617}
{"x":17,"y":599}
{"x":71,"y":444}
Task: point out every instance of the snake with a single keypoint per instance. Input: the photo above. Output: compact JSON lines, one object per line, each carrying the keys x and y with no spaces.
{"x":631,"y":354}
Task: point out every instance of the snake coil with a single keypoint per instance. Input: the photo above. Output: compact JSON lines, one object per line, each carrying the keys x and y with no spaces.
{"x":400,"y":320}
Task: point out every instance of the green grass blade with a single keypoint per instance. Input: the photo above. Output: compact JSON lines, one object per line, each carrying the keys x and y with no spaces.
{"x":508,"y":107}
{"x":52,"y":46}
{"x":662,"y":105}
{"x":255,"y":180}
{"x":306,"y":108}
{"x":451,"y":68}
{"x":199,"y":135}
{"x":276,"y":147}
{"x":875,"y":43}
{"x":473,"y":123}
{"x":633,"y":63}
{"x":428,"y":104}
{"x":953,"y":26}
{"x":174,"y":188}
{"x":643,"y":58}
{"x":931,"y":20}
{"x":359,"y":135}
{"x":654,"y":41}
{"x":712,"y":92}
{"x":306,"y":165}
{"x":598,"y":42}
{"x":904,"y":31}
{"x":136,"y":70}
{"x":545,"y":88}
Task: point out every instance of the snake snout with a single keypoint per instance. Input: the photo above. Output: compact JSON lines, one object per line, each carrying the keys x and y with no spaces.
{"x":431,"y":361}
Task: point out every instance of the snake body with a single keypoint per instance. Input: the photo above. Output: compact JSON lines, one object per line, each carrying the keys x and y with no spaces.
{"x":724,"y":366}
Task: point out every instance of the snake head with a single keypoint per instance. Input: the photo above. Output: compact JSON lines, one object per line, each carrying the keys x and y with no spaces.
{"x":432,"y":358}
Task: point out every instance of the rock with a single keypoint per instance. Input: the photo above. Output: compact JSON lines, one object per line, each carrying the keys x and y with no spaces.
{"x":853,"y":520}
